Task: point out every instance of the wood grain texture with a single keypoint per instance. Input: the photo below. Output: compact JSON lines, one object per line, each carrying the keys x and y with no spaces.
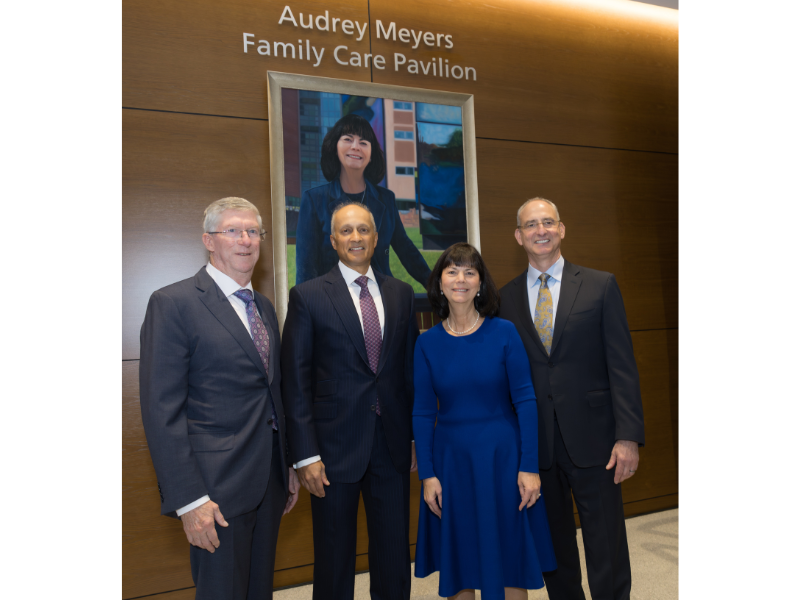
{"x":187,"y":55}
{"x":620,"y":210}
{"x":569,"y":73}
{"x":656,"y":355}
{"x":173,"y":167}
{"x":155,"y":553}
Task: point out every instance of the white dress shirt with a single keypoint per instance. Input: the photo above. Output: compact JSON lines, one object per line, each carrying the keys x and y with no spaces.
{"x":228,"y":287}
{"x":555,"y":271}
{"x":350,"y":277}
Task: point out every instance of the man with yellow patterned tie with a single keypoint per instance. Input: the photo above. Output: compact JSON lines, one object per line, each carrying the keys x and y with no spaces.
{"x":572,"y":322}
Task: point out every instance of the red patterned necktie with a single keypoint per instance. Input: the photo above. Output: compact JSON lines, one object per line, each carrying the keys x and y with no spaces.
{"x":372,"y":327}
{"x":260,"y":336}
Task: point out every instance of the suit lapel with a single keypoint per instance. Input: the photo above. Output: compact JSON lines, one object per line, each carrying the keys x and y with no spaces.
{"x":272,"y":336}
{"x":524,"y":308}
{"x":342,"y":301}
{"x":570,"y":284}
{"x":221,"y":308}
{"x":390,"y":316}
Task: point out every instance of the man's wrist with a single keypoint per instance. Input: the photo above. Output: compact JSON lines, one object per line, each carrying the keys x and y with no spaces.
{"x":199,"y":502}
{"x":306,"y":461}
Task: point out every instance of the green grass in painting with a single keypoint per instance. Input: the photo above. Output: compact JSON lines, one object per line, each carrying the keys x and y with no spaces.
{"x":398,"y":270}
{"x":291,"y":263}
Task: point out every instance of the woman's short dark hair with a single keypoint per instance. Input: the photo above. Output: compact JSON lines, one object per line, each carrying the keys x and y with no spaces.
{"x":463,"y":255}
{"x":352,"y":124}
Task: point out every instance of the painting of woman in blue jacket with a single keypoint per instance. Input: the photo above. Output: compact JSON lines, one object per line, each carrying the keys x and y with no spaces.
{"x":353,"y":163}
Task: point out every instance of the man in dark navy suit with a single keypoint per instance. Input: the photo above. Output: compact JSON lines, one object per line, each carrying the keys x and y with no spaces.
{"x":348,"y":387}
{"x":211,"y":407}
{"x":572,"y":322}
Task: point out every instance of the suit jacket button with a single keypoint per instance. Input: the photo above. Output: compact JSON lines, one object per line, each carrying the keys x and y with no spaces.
{"x":551,"y":365}
{"x":269,"y":422}
{"x":372,"y":408}
{"x":549,"y":396}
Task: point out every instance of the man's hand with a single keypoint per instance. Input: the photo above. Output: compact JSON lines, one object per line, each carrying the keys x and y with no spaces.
{"x":413,"y":457}
{"x":625,"y":455}
{"x":529,"y":486}
{"x":294,"y":491}
{"x":198,"y":524}
{"x":313,"y":478}
{"x":432,"y":492}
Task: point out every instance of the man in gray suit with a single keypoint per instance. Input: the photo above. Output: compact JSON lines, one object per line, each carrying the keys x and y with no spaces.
{"x":572,"y":322}
{"x":211,"y":407}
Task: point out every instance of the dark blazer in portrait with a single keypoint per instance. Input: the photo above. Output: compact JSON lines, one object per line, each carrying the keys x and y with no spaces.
{"x":316,"y":256}
{"x":590,"y":380}
{"x":329,"y":387}
{"x":205,"y":397}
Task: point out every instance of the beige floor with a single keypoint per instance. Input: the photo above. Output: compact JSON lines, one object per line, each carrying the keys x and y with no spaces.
{"x":653,"y":544}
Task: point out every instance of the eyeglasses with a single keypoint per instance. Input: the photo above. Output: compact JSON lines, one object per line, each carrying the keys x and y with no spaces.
{"x":235,"y":234}
{"x":531,"y":225}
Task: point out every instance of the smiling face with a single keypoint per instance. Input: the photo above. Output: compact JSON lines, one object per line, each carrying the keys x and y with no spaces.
{"x":354,"y":237}
{"x":543,"y":246}
{"x":354,"y":152}
{"x":235,"y":257}
{"x":460,"y":285}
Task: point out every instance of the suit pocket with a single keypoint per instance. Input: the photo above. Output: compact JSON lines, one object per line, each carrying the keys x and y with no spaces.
{"x":325,"y":411}
{"x":211,"y":442}
{"x":326,"y":388}
{"x":579,"y":316}
{"x":598,"y":398}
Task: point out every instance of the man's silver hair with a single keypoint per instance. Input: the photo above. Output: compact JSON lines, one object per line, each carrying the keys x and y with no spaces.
{"x":353,"y":203}
{"x":212,"y":214}
{"x":537,"y":199}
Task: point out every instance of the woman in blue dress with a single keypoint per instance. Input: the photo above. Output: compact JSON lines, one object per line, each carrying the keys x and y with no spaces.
{"x":482,"y":522}
{"x":352,"y":161}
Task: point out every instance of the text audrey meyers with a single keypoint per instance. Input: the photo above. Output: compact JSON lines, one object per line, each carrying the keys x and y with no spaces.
{"x":303,"y":50}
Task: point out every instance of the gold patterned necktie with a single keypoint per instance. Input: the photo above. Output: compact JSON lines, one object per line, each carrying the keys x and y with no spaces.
{"x":543,"y":319}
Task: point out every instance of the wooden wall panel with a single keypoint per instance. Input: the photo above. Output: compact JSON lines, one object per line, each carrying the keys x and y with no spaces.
{"x":173,"y":166}
{"x":580,"y":73}
{"x":155,"y":553}
{"x":187,"y":55}
{"x":656,"y":355}
{"x":569,"y":73}
{"x":620,"y":210}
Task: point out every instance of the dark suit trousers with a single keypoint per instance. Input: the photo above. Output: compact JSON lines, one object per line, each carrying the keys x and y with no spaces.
{"x":386,"y":502}
{"x":605,"y":542}
{"x":242,"y":567}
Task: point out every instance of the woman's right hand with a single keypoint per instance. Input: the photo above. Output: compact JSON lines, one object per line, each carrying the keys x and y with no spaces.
{"x":432,"y":492}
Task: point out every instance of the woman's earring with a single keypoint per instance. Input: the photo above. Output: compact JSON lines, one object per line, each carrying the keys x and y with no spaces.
{"x":479,"y":293}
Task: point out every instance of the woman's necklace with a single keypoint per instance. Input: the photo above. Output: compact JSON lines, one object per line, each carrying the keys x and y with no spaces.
{"x":462,"y":332}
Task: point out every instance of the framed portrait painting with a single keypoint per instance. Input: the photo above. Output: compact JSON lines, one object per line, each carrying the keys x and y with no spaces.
{"x":417,"y":169}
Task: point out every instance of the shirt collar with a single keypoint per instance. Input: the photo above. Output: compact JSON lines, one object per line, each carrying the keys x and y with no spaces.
{"x":555,"y":271}
{"x":350,"y":275}
{"x":225,"y":283}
